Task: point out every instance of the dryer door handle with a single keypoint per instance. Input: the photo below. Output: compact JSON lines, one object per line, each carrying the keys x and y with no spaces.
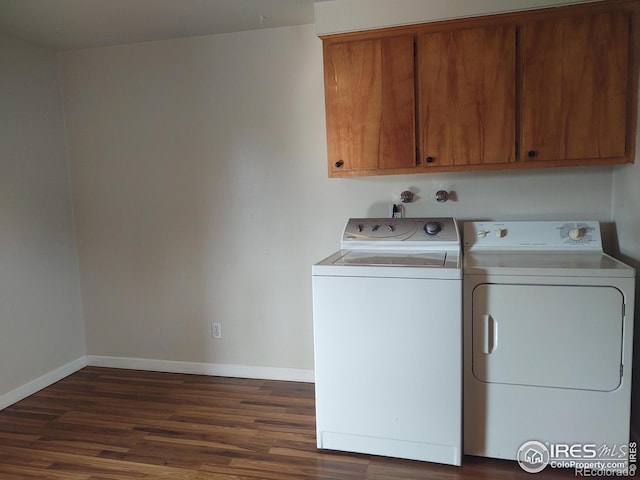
{"x":490,"y":334}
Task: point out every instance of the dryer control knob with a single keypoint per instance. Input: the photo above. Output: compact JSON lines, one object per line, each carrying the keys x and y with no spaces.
{"x":576,"y":233}
{"x":432,"y":228}
{"x":501,"y":232}
{"x":482,"y":233}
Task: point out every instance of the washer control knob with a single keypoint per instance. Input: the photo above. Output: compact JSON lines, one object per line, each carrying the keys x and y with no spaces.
{"x":482,"y":233}
{"x":390,"y":227}
{"x":432,"y":228}
{"x":576,"y":233}
{"x":501,"y":232}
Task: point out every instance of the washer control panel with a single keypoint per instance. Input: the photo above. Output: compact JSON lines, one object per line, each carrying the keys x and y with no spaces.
{"x":414,"y":231}
{"x":535,"y":235}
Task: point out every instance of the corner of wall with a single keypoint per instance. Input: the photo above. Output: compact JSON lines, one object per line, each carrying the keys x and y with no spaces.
{"x":41,"y":382}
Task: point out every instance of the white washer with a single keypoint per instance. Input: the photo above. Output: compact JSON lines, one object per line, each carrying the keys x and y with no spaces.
{"x":548,"y":329}
{"x":387,"y":314}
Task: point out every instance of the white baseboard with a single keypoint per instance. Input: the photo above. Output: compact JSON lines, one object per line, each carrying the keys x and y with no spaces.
{"x":213,"y":369}
{"x":39,"y":383}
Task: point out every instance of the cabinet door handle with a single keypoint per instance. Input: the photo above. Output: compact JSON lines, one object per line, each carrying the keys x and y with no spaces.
{"x":430,"y":159}
{"x":339,"y":163}
{"x":531,"y":153}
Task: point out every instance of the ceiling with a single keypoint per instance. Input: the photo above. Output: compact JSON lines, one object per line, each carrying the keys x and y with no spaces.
{"x":78,"y":24}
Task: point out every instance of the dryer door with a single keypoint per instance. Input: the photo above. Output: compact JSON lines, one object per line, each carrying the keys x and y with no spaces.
{"x":548,"y":335}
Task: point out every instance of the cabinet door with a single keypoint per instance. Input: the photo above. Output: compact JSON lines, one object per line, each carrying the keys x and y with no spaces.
{"x":466,"y":96}
{"x":370,"y":104}
{"x":574,"y":87}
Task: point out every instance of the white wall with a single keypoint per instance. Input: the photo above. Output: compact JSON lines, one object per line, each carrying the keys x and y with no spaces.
{"x":41,"y":327}
{"x":201,"y":194}
{"x":338,"y":16}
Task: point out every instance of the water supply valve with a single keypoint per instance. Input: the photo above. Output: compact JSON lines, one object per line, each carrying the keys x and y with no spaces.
{"x":442,"y":196}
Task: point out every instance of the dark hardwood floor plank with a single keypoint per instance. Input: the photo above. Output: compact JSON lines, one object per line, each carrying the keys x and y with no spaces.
{"x":31,"y":473}
{"x":111,"y":424}
{"x":91,"y":465}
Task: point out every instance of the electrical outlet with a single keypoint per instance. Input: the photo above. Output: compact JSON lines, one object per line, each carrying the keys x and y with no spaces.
{"x":216,"y":330}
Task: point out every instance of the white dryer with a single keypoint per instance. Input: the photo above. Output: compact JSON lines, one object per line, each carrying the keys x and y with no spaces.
{"x":548,"y":328}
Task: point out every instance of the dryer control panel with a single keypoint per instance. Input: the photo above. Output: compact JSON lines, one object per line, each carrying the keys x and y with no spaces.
{"x":534,"y":235}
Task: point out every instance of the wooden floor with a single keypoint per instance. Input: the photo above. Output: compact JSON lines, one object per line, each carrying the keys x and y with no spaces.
{"x":102,"y":423}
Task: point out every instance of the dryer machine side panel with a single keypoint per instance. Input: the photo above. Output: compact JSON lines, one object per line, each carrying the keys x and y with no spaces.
{"x":548,"y":335}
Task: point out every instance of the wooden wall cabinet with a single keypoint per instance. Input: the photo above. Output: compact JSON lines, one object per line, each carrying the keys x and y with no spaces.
{"x":369,"y":101}
{"x":535,"y":89}
{"x":574,"y":87}
{"x":467,"y":96}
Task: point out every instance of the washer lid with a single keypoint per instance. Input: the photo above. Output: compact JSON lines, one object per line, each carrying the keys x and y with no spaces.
{"x":446,"y":265}
{"x":390,"y":259}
